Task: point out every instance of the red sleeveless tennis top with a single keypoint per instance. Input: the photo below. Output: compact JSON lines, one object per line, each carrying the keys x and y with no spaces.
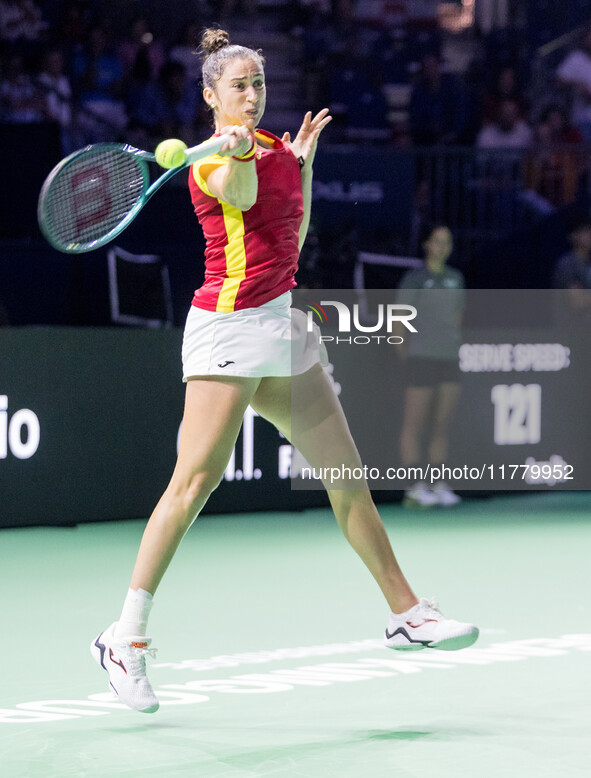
{"x":250,"y":256}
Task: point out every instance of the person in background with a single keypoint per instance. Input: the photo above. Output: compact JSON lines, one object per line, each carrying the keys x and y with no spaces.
{"x":431,"y":366}
{"x":505,"y":86}
{"x":21,"y":102}
{"x":185,"y":52}
{"x":508,"y":131}
{"x":168,"y":107}
{"x":491,"y":15}
{"x":573,"y":269}
{"x":558,"y":162}
{"x":141,"y":55}
{"x":98,"y":82}
{"x":73,"y":27}
{"x":55,"y":85}
{"x":229,"y":9}
{"x":438,"y":109}
{"x":574,"y":72}
{"x":21,"y":21}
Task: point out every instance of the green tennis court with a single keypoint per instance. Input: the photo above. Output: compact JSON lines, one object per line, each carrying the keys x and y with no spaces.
{"x":269,"y":660}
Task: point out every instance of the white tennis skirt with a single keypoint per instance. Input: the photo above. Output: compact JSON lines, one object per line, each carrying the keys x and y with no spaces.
{"x":271,"y":340}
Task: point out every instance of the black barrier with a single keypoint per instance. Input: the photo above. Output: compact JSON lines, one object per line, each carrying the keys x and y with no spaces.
{"x":89,"y":420}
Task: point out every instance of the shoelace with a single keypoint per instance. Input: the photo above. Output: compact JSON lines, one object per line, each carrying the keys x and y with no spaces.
{"x":431,"y":606}
{"x":139,"y":662}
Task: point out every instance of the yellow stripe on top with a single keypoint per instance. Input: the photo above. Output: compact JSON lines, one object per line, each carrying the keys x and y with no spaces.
{"x":235,"y":257}
{"x":208,"y":163}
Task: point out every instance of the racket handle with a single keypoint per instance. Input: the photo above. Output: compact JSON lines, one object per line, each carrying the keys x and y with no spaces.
{"x":211,"y":146}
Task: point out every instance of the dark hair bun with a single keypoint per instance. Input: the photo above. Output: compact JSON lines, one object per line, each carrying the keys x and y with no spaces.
{"x":212,"y":40}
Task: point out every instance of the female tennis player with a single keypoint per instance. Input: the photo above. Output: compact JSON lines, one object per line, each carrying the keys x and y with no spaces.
{"x":253,"y":202}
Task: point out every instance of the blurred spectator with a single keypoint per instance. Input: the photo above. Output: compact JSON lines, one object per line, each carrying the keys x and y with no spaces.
{"x":505,"y":86}
{"x":343,"y":27}
{"x":573,"y":270}
{"x":20,"y":20}
{"x":556,"y":166}
{"x":310,"y":7}
{"x":337,"y":47}
{"x":352,"y":77}
{"x":169,"y":107}
{"x":228,"y":8}
{"x":141,"y":55}
{"x":491,"y":15}
{"x":498,"y":177}
{"x":185,"y":51}
{"x":314,"y":36}
{"x":509,"y":131}
{"x":306,"y":12}
{"x":438,"y":106}
{"x":393,"y":54}
{"x":557,"y":127}
{"x":575,"y":72}
{"x":355,"y":94}
{"x":73,"y":29}
{"x":20,"y":100}
{"x":55,"y":86}
{"x":98,"y":79}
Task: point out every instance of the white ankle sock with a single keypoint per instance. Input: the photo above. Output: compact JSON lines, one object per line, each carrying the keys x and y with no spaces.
{"x":135,"y":613}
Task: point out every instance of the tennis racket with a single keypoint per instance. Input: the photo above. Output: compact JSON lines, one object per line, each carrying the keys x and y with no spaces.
{"x":95,"y":193}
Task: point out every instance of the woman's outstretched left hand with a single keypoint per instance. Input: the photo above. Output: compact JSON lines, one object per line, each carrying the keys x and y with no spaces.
{"x":305,"y":142}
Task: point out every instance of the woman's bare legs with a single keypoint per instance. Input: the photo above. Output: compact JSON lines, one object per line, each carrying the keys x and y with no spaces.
{"x":214,"y":408}
{"x":417,"y":401}
{"x":446,"y":399}
{"x":316,"y":425}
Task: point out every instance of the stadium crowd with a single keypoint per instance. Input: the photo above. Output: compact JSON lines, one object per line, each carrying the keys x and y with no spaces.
{"x":99,"y":68}
{"x":125,"y":70}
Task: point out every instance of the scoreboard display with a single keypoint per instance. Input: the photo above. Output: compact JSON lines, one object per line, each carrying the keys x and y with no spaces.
{"x":521,"y":421}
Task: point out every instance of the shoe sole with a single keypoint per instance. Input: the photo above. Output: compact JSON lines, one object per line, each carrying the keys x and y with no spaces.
{"x":457,"y":642}
{"x":452,"y":643}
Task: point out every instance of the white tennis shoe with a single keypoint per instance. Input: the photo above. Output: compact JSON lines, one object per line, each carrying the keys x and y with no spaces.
{"x":124,"y":659}
{"x":446,"y":497}
{"x":423,"y":626}
{"x":420,"y":496}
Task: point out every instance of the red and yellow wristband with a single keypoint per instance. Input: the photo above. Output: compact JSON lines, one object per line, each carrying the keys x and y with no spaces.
{"x":249,"y":154}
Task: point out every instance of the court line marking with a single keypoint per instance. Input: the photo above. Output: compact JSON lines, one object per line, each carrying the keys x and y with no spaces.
{"x":287,"y":679}
{"x":474,"y":655}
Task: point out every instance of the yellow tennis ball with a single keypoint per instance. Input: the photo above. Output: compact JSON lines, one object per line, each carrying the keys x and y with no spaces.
{"x":171,"y":153}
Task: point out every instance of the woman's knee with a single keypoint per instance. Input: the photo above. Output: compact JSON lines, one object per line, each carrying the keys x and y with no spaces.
{"x":192,"y":493}
{"x":202,"y":485}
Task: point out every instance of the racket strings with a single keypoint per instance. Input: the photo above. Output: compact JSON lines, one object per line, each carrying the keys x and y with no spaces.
{"x":92,"y":195}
